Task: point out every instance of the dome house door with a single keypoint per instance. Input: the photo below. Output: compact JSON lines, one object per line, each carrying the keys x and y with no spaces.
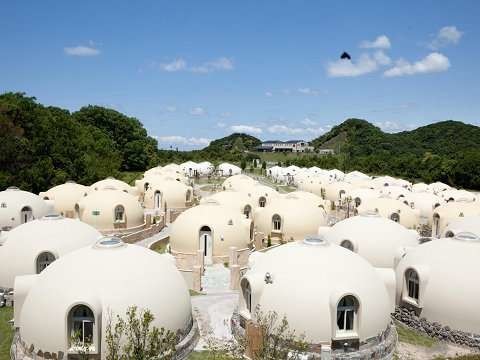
{"x":157,"y":198}
{"x":26,"y":214}
{"x":206,"y":244}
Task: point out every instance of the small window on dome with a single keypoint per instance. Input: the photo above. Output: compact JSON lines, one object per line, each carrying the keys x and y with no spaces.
{"x":449,"y":234}
{"x":347,"y":309}
{"x":3,"y":205}
{"x":347,"y":244}
{"x":119,"y":213}
{"x":395,"y":217}
{"x":413,"y":284}
{"x":276,"y":222}
{"x":44,"y":260}
{"x":81,"y":326}
{"x":262,"y":201}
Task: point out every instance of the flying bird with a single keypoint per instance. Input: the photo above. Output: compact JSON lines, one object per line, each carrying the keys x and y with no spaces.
{"x":345,"y":55}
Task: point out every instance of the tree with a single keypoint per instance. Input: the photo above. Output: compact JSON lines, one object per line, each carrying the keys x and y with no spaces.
{"x":243,"y":164}
{"x":134,"y":338}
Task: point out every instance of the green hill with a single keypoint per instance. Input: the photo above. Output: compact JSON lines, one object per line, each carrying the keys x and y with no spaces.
{"x":447,"y":151}
{"x":233,"y":143}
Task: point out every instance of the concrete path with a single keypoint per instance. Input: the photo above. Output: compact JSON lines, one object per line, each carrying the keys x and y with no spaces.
{"x":158,"y":236}
{"x":213,"y":312}
{"x":215,"y":279}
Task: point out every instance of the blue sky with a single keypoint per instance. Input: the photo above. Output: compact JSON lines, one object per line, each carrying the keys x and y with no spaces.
{"x":192,"y":71}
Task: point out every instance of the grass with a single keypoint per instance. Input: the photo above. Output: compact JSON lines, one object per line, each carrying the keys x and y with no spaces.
{"x":6,"y":332}
{"x":279,"y":156}
{"x":159,"y":247}
{"x":413,"y":337}
{"x":194,"y":293}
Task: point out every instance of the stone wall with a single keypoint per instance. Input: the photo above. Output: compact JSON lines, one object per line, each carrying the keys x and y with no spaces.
{"x":436,"y":330}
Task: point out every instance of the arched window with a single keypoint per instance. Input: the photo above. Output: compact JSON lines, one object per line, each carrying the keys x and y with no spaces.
{"x":449,"y":234}
{"x":276,"y":222}
{"x":247,"y":294}
{"x":358,"y":201}
{"x":145,"y":187}
{"x":81,"y":323}
{"x":413,"y":284}
{"x":246,"y":211}
{"x":119,"y":213}
{"x":157,"y":199}
{"x":347,"y":244}
{"x":347,"y":309}
{"x":395,"y":217}
{"x":26,"y":214}
{"x":43,"y":260}
{"x":262,"y":201}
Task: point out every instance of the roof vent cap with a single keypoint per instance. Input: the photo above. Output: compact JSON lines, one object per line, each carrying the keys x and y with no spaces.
{"x":109,"y":242}
{"x":315,"y":240}
{"x":466,"y":236}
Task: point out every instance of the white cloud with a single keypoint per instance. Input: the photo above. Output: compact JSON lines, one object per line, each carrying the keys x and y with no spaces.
{"x":307,"y":91}
{"x":221,"y":124}
{"x":381,"y":58}
{"x":198,"y":111}
{"x":309,"y":122}
{"x":180,"y":64}
{"x":434,"y":62}
{"x":347,"y":68}
{"x":176,"y":65}
{"x":446,"y":36}
{"x":315,"y":131}
{"x":268,"y":93}
{"x":283,"y":129}
{"x":381,"y":42}
{"x":176,"y":139}
{"x":388,"y":126}
{"x":246,"y":129}
{"x":222,"y":64}
{"x":82,"y":50}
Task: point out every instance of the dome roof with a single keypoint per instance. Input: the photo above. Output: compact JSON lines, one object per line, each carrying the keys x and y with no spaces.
{"x":13,"y":200}
{"x":229,"y":169}
{"x":238,"y":182}
{"x":299,"y":216}
{"x":445,"y":213}
{"x":65,"y":196}
{"x":310,"y":270}
{"x":469,"y":224}
{"x":231,"y":198}
{"x":375,"y":238}
{"x":98,"y":209}
{"x":111,"y":183}
{"x":448,"y":271}
{"x":228,"y":226}
{"x":336,"y":190}
{"x":174,"y":194}
{"x":108,"y":277}
{"x":392,"y":209}
{"x":52,"y":233}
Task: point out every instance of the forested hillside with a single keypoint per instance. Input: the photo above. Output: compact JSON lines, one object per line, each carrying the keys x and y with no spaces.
{"x":45,"y":146}
{"x":447,"y":151}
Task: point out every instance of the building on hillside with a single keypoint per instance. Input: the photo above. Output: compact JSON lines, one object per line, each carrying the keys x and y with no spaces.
{"x":84,"y":291}
{"x":340,"y":310}
{"x":284,"y":146}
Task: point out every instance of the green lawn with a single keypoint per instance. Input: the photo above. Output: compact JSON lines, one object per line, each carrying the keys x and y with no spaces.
{"x":282,"y":157}
{"x":194,"y":293}
{"x":6,"y":332}
{"x":160,"y":247}
{"x":130,"y":176}
{"x":413,"y":337}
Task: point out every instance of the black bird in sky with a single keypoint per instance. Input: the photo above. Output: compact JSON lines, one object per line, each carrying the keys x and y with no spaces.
{"x":346,"y":56}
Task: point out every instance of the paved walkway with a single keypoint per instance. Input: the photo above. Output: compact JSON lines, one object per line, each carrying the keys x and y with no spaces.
{"x":158,"y":236}
{"x":216,"y":279}
{"x":213,"y":312}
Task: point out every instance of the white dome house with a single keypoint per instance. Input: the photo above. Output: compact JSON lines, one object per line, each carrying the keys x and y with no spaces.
{"x":65,"y":196}
{"x":439,"y":280}
{"x":376,"y":239}
{"x":33,"y":246}
{"x":332,"y":296}
{"x":83,"y":290}
{"x":18,"y":207}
